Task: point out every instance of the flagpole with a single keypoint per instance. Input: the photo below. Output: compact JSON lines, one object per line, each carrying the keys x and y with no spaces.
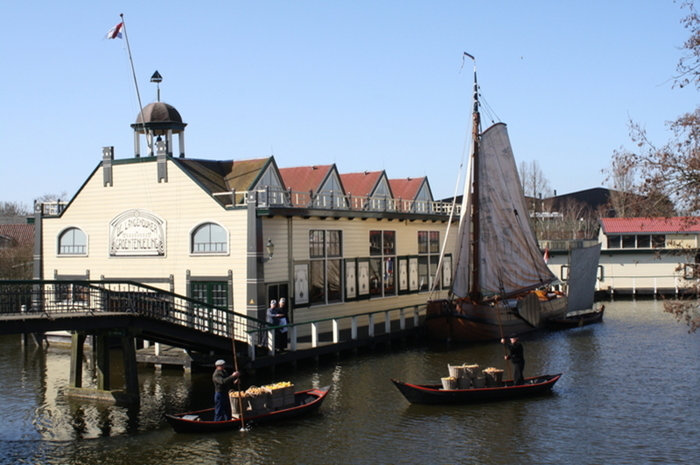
{"x":136,"y":84}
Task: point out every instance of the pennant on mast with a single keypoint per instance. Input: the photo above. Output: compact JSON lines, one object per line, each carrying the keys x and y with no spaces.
{"x":115,"y":32}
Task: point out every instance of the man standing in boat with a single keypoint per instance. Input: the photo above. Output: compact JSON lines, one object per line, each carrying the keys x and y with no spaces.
{"x":222,"y":382}
{"x":516,"y":357}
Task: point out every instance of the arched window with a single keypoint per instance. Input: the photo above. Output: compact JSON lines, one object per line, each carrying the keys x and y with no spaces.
{"x":72,"y":241}
{"x":209,"y":238}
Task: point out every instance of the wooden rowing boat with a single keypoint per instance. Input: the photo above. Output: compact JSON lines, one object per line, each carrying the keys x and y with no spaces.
{"x":202,"y":421}
{"x":434,"y":394}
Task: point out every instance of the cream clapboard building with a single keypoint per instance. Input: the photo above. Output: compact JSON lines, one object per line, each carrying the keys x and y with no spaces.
{"x":341,"y":244}
{"x":649,"y":255}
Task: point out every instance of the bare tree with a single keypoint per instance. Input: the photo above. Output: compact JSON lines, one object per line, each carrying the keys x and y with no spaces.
{"x":52,"y":197}
{"x":16,"y":262}
{"x":622,"y":189}
{"x":671,"y":172}
{"x":566,"y":220}
{"x":663,"y":174}
{"x":533,"y":180}
{"x":13,"y":209}
{"x":689,"y":65}
{"x":579,"y":220}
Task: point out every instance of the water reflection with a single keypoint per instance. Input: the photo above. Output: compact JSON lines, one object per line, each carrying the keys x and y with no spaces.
{"x":628,"y":395}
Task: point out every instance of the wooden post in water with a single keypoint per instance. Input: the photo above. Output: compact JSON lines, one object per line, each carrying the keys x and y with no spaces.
{"x":102,"y":362}
{"x":77,"y":353}
{"x":130,"y":369}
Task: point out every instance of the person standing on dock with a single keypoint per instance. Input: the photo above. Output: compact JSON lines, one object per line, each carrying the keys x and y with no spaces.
{"x":222,"y":383}
{"x":276,"y":316}
{"x":283,"y":319}
{"x":516,"y":357}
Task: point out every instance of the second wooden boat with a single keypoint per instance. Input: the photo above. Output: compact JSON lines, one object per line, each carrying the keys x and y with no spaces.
{"x":435,"y":394}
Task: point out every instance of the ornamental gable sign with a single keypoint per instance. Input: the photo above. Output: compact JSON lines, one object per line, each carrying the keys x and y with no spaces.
{"x":137,"y":233}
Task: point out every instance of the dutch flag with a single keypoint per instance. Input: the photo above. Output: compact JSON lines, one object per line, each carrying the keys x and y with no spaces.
{"x":115,"y":32}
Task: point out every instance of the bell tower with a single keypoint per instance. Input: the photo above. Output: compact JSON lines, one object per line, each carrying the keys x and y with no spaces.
{"x":158,"y":119}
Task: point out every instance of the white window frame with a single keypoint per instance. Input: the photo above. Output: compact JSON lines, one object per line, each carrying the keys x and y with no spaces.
{"x":209,"y":254}
{"x":62,"y":233}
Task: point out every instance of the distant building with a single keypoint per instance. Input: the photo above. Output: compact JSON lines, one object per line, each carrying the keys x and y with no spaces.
{"x":594,"y":199}
{"x":16,"y":235}
{"x":16,"y":248}
{"x":649,"y":255}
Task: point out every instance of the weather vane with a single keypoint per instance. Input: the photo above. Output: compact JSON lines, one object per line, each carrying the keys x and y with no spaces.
{"x":157,"y":78}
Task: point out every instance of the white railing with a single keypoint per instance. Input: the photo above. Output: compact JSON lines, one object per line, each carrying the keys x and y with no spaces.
{"x":272,"y":197}
{"x":335,"y":325}
{"x":635,"y":284}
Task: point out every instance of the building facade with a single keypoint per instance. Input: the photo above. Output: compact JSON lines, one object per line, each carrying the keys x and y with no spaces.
{"x":649,"y":255}
{"x":237,"y":233}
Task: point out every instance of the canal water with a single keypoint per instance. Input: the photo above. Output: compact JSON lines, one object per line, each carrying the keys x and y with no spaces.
{"x":630,"y":394}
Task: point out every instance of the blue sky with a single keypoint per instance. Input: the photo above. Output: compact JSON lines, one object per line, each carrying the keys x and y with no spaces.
{"x":367,"y":85}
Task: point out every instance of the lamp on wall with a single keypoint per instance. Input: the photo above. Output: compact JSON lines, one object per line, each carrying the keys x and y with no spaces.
{"x":270,"y":249}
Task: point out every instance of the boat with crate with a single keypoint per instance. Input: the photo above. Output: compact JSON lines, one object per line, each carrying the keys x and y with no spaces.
{"x":436,"y":394}
{"x":202,"y":421}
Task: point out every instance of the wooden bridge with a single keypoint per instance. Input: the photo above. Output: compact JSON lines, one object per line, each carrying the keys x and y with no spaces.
{"x":125,"y":311}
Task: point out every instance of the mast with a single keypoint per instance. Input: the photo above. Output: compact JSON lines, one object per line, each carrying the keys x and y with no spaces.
{"x":474,"y":284}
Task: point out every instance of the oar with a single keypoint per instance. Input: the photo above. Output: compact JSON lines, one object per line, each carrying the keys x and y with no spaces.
{"x":238,"y":384}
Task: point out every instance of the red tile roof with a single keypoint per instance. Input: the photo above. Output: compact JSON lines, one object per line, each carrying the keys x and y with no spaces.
{"x":22,"y":234}
{"x":360,"y":184}
{"x":304,"y":178}
{"x":677,"y":224}
{"x":406,"y":189}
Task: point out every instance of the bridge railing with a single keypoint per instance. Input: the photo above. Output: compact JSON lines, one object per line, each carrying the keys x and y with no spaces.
{"x":118,"y":296}
{"x":335,"y":330}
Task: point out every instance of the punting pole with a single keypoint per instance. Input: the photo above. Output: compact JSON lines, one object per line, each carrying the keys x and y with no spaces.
{"x":501,"y":303}
{"x":238,"y":384}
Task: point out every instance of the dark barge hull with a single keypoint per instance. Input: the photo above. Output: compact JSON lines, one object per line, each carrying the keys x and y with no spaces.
{"x":445,"y":320}
{"x":582,"y":319}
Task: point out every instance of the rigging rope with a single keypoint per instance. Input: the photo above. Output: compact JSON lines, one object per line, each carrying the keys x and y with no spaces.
{"x":455,"y":262}
{"x":490,"y":112}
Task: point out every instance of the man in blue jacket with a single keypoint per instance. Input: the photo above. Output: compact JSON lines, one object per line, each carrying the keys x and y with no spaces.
{"x":222,"y":384}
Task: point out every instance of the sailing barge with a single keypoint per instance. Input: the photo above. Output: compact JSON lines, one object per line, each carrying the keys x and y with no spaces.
{"x":502,"y":283}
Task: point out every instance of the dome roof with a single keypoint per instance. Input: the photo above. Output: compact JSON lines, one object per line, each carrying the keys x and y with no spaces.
{"x":159,"y":119}
{"x":159,"y":112}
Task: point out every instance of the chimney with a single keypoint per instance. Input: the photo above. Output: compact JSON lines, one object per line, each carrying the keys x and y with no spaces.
{"x":107,"y":158}
{"x":162,"y":159}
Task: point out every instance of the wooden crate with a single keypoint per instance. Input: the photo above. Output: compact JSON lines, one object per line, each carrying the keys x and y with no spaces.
{"x":282,"y":397}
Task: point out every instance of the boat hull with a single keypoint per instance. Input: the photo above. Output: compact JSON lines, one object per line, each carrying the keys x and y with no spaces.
{"x":202,"y":421}
{"x":467,"y":322}
{"x":578,"y":320}
{"x":434,"y":394}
